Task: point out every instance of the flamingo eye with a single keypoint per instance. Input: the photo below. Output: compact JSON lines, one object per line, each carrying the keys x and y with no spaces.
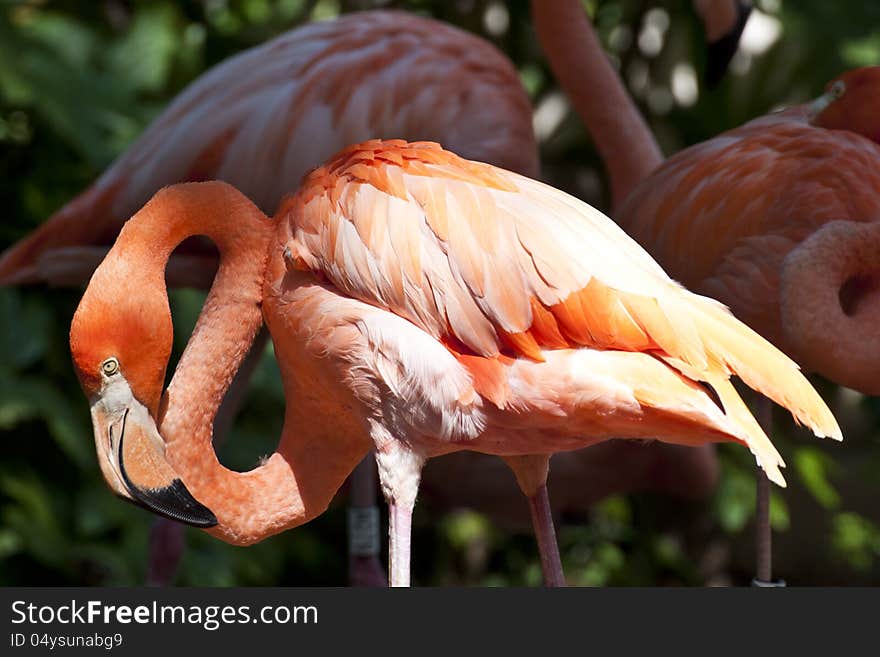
{"x":110,"y":366}
{"x":838,"y":89}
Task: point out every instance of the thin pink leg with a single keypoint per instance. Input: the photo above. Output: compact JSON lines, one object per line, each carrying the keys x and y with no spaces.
{"x":542,"y":521}
{"x":364,"y":567}
{"x":399,"y":536}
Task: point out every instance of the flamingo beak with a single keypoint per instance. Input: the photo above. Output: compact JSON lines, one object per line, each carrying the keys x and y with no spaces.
{"x":720,"y":52}
{"x":131,"y":454}
{"x":816,"y":107}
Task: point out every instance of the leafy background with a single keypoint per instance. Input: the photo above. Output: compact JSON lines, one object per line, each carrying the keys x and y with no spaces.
{"x":79,"y":81}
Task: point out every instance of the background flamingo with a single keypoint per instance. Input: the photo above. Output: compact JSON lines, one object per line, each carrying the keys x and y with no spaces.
{"x":407,"y":228}
{"x":792,"y":243}
{"x":301,"y":93}
{"x":790,"y":200}
{"x":286,"y":106}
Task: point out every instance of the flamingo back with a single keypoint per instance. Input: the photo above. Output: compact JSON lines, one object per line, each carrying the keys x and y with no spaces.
{"x":723,"y":216}
{"x":263,"y":118}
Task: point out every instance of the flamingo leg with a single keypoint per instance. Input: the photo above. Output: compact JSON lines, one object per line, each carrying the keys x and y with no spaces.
{"x":548,"y":548}
{"x":399,"y":541}
{"x":364,"y":567}
{"x":763,"y":529}
{"x":763,"y":533}
{"x":400,"y":470}
{"x":531,"y":472}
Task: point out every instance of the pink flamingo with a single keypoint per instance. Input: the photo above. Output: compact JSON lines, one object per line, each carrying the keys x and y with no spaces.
{"x":791,"y":203}
{"x":420,"y":304}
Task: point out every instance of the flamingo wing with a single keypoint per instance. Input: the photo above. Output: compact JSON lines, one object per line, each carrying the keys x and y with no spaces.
{"x":493,"y":260}
{"x":499,"y":266}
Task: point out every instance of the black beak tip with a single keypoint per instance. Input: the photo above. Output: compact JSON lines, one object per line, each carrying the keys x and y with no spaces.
{"x":720,"y":52}
{"x":175,"y":502}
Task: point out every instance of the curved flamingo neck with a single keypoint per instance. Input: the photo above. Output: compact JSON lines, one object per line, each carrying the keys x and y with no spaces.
{"x":244,"y":503}
{"x":622,"y":137}
{"x":297,"y":482}
{"x":829,"y":304}
{"x":232,"y":314}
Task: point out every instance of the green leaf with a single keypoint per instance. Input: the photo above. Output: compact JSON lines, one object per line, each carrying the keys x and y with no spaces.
{"x":143,"y":58}
{"x":532,"y":78}
{"x":288,"y":9}
{"x":812,"y":466}
{"x":735,"y":498}
{"x":779,"y":518}
{"x":465,"y":527}
{"x":861,"y":52}
{"x":73,"y":40}
{"x":856,"y":539}
{"x":29,"y":398}
{"x":607,"y":559}
{"x":668,"y":550}
{"x":10,"y":543}
{"x":325,"y":10}
{"x":257,"y":11}
{"x":32,"y":517}
{"x":23,"y":340}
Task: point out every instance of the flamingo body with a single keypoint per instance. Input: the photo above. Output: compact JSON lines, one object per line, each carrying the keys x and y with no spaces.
{"x":487,"y":311}
{"x":778,"y":220}
{"x":421,"y":303}
{"x":263,"y":118}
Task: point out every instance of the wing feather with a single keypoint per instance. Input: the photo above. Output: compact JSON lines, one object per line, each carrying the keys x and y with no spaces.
{"x":488,"y":247}
{"x":498,"y":263}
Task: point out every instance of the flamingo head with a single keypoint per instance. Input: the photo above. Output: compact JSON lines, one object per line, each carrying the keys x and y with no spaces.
{"x":850,"y":102}
{"x":120,"y":341}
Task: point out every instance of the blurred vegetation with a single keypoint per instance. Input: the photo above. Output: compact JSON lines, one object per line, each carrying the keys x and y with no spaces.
{"x":79,"y":81}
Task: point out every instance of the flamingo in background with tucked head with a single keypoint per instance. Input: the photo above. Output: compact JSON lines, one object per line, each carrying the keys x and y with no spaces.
{"x":791,"y":203}
{"x":419,"y":304}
